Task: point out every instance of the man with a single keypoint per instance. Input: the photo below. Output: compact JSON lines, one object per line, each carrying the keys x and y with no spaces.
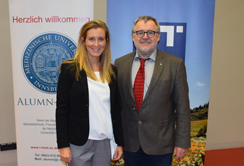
{"x":155,"y":111}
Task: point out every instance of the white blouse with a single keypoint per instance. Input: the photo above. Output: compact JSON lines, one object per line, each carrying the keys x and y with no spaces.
{"x":99,"y":110}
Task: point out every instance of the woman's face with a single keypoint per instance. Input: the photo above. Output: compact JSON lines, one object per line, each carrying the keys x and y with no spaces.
{"x":95,"y":43}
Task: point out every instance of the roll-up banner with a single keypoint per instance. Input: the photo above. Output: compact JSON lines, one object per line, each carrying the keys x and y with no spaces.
{"x":43,"y":34}
{"x":187,"y":32}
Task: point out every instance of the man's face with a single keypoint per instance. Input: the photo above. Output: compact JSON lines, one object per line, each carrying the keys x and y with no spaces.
{"x":145,"y":45}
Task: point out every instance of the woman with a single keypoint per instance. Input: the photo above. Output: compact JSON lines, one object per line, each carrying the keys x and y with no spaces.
{"x":88,"y":111}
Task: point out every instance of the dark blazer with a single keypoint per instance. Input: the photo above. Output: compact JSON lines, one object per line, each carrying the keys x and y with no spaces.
{"x":165,"y":102}
{"x":72,"y":112}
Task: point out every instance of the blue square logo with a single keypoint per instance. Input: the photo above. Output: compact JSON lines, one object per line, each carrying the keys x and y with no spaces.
{"x":173,"y":38}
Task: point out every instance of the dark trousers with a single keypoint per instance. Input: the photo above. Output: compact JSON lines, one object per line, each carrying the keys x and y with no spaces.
{"x":140,"y":158}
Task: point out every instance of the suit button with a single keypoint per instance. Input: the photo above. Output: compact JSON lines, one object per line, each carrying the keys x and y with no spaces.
{"x":134,"y":109}
{"x":139,"y":122}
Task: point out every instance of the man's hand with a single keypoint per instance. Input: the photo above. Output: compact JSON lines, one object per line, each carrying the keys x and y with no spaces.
{"x":180,"y":152}
{"x":118,"y":153}
{"x":66,"y":155}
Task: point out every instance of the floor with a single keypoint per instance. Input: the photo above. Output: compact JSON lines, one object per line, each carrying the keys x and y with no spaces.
{"x":8,"y":158}
{"x":225,"y":157}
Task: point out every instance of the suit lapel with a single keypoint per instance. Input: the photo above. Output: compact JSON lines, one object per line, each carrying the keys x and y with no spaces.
{"x":158,"y":68}
{"x":112,"y":97}
{"x":83,"y":81}
{"x":128,"y":68}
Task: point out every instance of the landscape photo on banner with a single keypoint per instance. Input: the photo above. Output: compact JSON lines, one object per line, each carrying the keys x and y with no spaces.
{"x":43,"y":34}
{"x":187,"y":32}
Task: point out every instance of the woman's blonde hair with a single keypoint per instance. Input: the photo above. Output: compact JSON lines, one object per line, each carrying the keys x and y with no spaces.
{"x":81,"y":61}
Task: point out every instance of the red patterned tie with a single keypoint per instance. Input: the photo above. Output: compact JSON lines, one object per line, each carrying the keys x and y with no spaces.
{"x":138,"y":88}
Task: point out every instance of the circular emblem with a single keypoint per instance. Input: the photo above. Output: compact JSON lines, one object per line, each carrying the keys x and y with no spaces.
{"x":41,"y":58}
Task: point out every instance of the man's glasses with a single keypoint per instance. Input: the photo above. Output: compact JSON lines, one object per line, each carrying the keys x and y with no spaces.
{"x":141,"y":33}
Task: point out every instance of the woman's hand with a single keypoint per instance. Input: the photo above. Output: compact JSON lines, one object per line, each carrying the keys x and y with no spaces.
{"x":118,"y":153}
{"x":66,"y":155}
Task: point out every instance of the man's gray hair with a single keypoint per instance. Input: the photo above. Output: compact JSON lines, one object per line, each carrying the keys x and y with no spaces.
{"x":146,"y":18}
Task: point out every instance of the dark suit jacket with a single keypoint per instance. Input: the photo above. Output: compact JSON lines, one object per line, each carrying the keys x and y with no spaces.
{"x":72,"y":112}
{"x":165,"y":102}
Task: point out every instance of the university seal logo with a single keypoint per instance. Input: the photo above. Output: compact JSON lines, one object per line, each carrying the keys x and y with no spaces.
{"x":41,"y":58}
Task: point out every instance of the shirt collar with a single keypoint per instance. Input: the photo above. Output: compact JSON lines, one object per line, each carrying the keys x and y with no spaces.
{"x":152,"y":56}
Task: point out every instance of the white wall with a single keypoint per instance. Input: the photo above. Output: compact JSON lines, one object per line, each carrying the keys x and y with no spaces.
{"x":7,"y":122}
{"x":226,"y":110}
